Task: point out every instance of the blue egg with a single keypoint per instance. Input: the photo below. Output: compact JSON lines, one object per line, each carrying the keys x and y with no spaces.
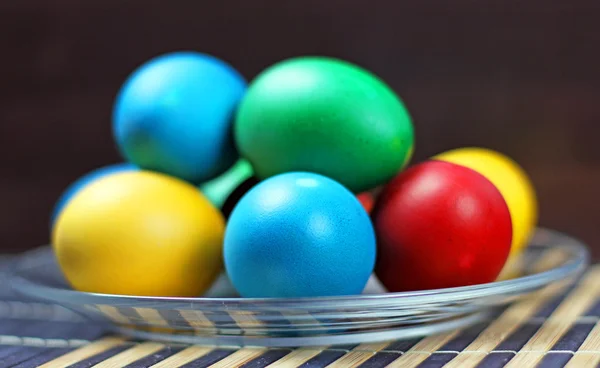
{"x":299,"y":235}
{"x":78,"y":184}
{"x":174,"y":115}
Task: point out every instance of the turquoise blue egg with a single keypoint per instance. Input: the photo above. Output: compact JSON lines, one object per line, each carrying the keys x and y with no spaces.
{"x":174,"y":115}
{"x":78,"y":184}
{"x":299,"y":235}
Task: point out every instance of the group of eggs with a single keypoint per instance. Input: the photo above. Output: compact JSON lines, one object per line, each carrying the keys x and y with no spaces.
{"x":295,"y":185}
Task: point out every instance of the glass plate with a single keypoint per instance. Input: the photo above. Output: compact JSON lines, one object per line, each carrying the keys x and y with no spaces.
{"x":374,"y":316}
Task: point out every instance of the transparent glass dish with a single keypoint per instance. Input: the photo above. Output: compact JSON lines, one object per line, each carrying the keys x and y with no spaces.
{"x":374,"y":316}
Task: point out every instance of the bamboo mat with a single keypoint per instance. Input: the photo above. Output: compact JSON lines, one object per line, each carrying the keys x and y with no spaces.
{"x":557,"y":327}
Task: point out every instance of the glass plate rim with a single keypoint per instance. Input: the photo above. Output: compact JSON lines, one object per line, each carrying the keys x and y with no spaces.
{"x":571,"y":268}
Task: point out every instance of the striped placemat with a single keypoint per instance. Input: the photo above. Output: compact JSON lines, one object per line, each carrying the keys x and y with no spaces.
{"x":557,"y":327}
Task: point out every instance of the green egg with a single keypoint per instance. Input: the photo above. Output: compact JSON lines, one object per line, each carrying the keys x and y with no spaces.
{"x":325,"y":116}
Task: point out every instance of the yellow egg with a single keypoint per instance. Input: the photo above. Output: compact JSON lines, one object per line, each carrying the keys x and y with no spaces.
{"x":140,"y":233}
{"x":512,"y":182}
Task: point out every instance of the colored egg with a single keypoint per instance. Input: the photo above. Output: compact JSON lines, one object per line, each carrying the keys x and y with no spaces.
{"x":325,"y":116}
{"x":140,"y":233}
{"x":511,"y":180}
{"x":367,"y":200}
{"x":237,"y":194}
{"x":76,"y":186}
{"x":299,"y":235}
{"x":174,"y":115}
{"x":440,"y":225}
{"x":220,"y":188}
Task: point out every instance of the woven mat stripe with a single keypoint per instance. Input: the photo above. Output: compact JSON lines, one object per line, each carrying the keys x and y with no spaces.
{"x":239,"y":358}
{"x":128,"y":316}
{"x":358,"y":355}
{"x":501,"y":328}
{"x":131,"y":355}
{"x":16,"y":354}
{"x":489,"y":340}
{"x":112,"y":314}
{"x":198,"y":321}
{"x":183,"y":357}
{"x":151,"y":317}
{"x":588,"y":354}
{"x":245,"y":319}
{"x":297,"y":357}
{"x":165,"y":321}
{"x":267,"y":358}
{"x":577,"y":302}
{"x":354,"y":358}
{"x":155,"y":357}
{"x":301,"y":318}
{"x":99,"y":358}
{"x":32,"y":357}
{"x":423,"y":349}
{"x":84,"y":352}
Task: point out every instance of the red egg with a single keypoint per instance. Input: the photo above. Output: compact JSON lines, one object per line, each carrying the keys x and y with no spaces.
{"x":367,"y":200}
{"x":440,"y":225}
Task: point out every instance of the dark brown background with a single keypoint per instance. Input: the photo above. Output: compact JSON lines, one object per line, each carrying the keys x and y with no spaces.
{"x":522,"y":77}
